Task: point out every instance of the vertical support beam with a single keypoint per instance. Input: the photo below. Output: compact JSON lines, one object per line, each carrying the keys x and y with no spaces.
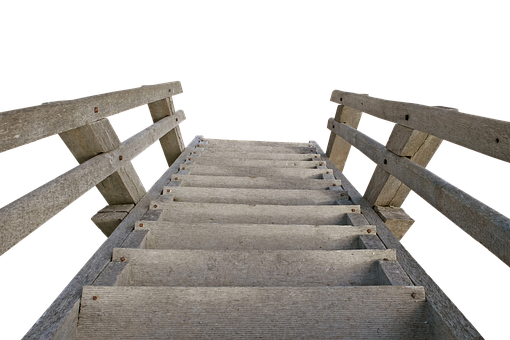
{"x":87,"y":141}
{"x":171,"y":143}
{"x":386,"y":190}
{"x":338,"y":149}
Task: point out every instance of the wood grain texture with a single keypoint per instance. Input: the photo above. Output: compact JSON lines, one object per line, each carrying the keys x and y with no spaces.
{"x":253,"y":171}
{"x":238,"y":161}
{"x":488,"y":136}
{"x":392,"y":273}
{"x":115,"y":274}
{"x":22,"y":126}
{"x":396,"y":219}
{"x":370,"y":242}
{"x":108,"y":221}
{"x":386,"y":312}
{"x":213,"y":155}
{"x":249,"y":143}
{"x":258,"y":148}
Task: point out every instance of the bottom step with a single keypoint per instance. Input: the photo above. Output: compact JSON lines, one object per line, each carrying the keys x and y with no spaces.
{"x":389,"y":312}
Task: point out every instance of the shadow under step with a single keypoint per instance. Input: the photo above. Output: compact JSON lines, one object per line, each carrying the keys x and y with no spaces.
{"x":215,"y":268}
{"x":255,"y":196}
{"x":213,"y":236}
{"x":266,"y":163}
{"x":252,"y":182}
{"x":382,"y":312}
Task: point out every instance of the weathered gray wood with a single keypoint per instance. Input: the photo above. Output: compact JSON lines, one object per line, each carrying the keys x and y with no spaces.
{"x":153,"y":214}
{"x":171,"y":143}
{"x":27,"y":213}
{"x":211,"y":170}
{"x":384,"y":312}
{"x":213,"y":155}
{"x":338,"y":149}
{"x":63,"y":309}
{"x":404,"y":141}
{"x":250,"y":143}
{"x":488,"y":136}
{"x":255,"y":196}
{"x":392,"y":273}
{"x":108,"y":218}
{"x":67,"y":328}
{"x":396,"y":219}
{"x":249,"y":268}
{"x":215,"y":236}
{"x":115,"y":274}
{"x":257,"y":148}
{"x":370,"y":242}
{"x":22,"y":126}
{"x":384,"y":189}
{"x":237,"y":161}
{"x":483,"y":223}
{"x":254,"y":182}
{"x":357,"y":219}
{"x":137,"y":240}
{"x":265,"y":214}
{"x":445,"y":319}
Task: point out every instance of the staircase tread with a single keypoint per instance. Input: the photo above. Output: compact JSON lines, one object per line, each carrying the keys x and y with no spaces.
{"x":253,"y":313}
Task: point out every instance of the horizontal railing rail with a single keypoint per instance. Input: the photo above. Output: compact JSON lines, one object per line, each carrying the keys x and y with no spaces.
{"x":27,"y":213}
{"x":481,"y":222}
{"x":22,"y":126}
{"x":485,"y":135}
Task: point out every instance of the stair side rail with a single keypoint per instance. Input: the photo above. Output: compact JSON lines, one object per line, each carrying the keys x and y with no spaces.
{"x":418,"y":131}
{"x":104,"y":161}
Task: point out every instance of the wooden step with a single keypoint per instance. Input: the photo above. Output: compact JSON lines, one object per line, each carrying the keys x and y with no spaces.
{"x":248,"y":162}
{"x":381,"y":312}
{"x":215,"y":236}
{"x":256,"y":196}
{"x":247,"y":143}
{"x":214,"y":154}
{"x":250,"y":171}
{"x":258,"y":214}
{"x":253,"y":182}
{"x":250,"y":268}
{"x":259,"y":148}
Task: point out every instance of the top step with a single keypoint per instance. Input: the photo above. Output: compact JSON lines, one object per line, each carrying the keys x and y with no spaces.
{"x":226,"y":142}
{"x":258,"y":148}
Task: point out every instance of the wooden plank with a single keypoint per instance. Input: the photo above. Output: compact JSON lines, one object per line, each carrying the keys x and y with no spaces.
{"x":238,"y":161}
{"x":256,"y":196}
{"x":338,"y":149}
{"x":171,"y":143}
{"x":254,"y":182}
{"x":27,"y":213}
{"x":380,"y":312}
{"x":22,"y":126}
{"x":108,"y":218}
{"x":115,"y":274}
{"x":488,"y":136}
{"x":483,"y":223}
{"x":253,"y":171}
{"x":87,"y":141}
{"x":384,"y":189}
{"x":249,"y":268}
{"x":370,"y":242}
{"x":137,"y":240}
{"x":219,"y":154}
{"x":445,"y":319}
{"x":266,"y":214}
{"x":62,"y":309}
{"x":216,"y":236}
{"x":396,"y":219}
{"x":392,"y":273}
{"x":230,"y":142}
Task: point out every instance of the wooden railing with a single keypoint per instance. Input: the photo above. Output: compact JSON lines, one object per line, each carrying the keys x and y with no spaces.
{"x":418,"y":132}
{"x":400,"y":165}
{"x":105,"y":162}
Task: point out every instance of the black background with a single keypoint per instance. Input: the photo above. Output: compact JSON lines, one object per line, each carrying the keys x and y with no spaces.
{"x":282,"y":100}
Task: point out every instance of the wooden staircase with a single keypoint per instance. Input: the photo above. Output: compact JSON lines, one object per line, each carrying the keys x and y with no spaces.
{"x":241,"y":239}
{"x":254,"y":240}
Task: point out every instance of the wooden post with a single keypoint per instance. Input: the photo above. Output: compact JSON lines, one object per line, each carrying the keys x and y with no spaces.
{"x":338,"y":149}
{"x":171,"y":143}
{"x":384,"y":189}
{"x":121,"y":187}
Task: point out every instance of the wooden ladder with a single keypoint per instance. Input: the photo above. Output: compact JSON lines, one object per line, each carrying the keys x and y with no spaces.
{"x":255,"y":240}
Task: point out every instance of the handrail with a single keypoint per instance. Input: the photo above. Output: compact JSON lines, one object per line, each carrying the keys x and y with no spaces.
{"x":27,"y":213}
{"x":22,"y":126}
{"x":483,"y":223}
{"x":485,"y":135}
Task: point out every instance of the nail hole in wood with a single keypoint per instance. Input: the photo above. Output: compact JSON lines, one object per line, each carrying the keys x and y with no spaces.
{"x":407,"y":117}
{"x":385,"y":162}
{"x":497,"y":140}
{"x":333,"y":126}
{"x":340,"y":99}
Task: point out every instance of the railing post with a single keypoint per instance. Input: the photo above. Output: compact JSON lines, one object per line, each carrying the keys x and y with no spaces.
{"x":123,"y":187}
{"x":386,"y":193}
{"x":338,"y":149}
{"x":171,"y":143}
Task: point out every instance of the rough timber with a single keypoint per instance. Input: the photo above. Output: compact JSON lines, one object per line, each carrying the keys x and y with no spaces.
{"x":249,"y":239}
